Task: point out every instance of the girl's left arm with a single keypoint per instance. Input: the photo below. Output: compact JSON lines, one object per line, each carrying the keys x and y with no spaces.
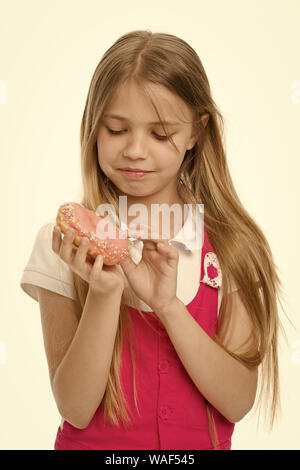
{"x":225,"y":382}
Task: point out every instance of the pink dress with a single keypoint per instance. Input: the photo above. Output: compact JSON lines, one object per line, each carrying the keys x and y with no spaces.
{"x":172,"y":410}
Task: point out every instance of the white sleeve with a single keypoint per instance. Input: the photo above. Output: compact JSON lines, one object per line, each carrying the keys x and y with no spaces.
{"x":46,"y":269}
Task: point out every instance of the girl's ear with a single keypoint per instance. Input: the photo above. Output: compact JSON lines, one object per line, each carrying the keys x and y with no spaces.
{"x":205,"y":118}
{"x":195,"y":136}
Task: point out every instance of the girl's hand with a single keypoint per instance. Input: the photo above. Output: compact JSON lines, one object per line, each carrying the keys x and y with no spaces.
{"x":101,"y":278}
{"x":154,"y":279}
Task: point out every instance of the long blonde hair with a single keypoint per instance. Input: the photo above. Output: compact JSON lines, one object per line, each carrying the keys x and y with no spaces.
{"x":241,"y":247}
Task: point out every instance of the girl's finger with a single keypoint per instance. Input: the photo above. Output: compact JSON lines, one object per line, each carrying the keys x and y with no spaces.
{"x":67,"y":245}
{"x":128,"y":265}
{"x":80,"y":256}
{"x":97,"y":267}
{"x":160,"y":245}
{"x":56,"y":239}
{"x":163,"y":247}
{"x":150,"y":245}
{"x":152,"y":239}
{"x":171,"y":252}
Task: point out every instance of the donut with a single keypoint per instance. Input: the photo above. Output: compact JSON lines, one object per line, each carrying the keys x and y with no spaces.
{"x":85,"y":223}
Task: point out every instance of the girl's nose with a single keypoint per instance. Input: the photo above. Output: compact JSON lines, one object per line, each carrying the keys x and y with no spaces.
{"x":135,"y":147}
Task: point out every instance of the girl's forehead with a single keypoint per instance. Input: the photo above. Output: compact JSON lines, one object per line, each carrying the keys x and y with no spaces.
{"x":132,"y":104}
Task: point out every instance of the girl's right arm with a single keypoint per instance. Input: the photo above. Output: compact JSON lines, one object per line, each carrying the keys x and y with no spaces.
{"x":79,"y":353}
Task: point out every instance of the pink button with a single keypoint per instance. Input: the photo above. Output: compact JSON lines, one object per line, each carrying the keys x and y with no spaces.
{"x":163,"y":366}
{"x":164,"y":412}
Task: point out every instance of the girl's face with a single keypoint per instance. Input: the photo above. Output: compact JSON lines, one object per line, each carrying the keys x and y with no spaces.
{"x":138,"y":141}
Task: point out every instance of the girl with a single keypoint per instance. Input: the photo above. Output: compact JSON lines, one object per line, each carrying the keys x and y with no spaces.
{"x":162,"y":351}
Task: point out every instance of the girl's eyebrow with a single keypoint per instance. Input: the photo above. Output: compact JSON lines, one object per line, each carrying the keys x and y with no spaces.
{"x":122,"y":118}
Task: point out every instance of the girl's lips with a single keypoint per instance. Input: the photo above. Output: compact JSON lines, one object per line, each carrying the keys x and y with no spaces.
{"x":136,"y":174}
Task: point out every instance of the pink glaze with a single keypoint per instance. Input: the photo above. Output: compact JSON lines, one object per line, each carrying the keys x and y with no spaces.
{"x":87,"y":223}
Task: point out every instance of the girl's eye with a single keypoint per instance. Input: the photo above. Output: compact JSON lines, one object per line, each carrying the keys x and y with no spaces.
{"x":159,"y":137}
